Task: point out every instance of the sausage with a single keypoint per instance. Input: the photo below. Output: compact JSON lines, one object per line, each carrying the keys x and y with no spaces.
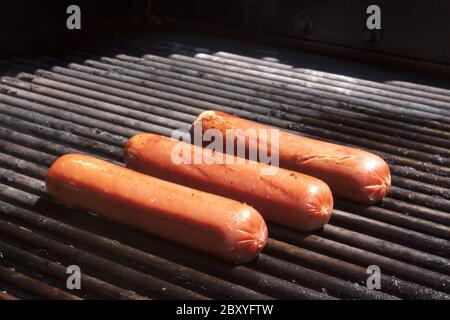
{"x":281,"y":196}
{"x":351,"y":173}
{"x":215,"y":225}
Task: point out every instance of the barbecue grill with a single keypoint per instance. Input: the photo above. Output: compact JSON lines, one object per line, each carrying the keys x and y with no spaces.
{"x":90,"y":93}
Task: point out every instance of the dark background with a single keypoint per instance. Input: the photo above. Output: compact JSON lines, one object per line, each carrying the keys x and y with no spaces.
{"x":32,"y":25}
{"x":413,"y":29}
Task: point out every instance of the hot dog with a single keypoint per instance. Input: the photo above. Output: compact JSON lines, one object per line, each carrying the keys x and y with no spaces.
{"x":218,"y":226}
{"x":285,"y":197}
{"x":351,"y":173}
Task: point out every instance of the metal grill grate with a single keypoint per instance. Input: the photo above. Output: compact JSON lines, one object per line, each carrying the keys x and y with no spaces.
{"x":92,"y":97}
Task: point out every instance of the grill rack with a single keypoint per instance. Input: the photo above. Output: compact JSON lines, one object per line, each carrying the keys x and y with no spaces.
{"x":95,"y":95}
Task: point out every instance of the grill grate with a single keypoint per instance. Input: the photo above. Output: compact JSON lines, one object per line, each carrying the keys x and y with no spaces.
{"x":92,"y":97}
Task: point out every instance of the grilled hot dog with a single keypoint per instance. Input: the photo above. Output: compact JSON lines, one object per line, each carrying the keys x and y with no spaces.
{"x":351,"y":173}
{"x":285,"y":197}
{"x":218,"y":226}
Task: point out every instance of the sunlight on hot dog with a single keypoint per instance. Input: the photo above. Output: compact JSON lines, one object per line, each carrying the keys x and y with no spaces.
{"x":228,"y":149}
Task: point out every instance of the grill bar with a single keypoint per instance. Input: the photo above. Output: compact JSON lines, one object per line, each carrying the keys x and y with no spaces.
{"x":439,"y":281}
{"x":262,"y":282}
{"x":216,"y":287}
{"x":16,"y":292}
{"x":421,"y":187}
{"x":345,"y":269}
{"x":421,"y":175}
{"x":363,"y":257}
{"x":105,"y":289}
{"x":393,"y":89}
{"x":93,"y":97}
{"x":398,"y":251}
{"x":265,"y":110}
{"x":121,"y":120}
{"x":416,"y":210}
{"x":158,"y":65}
{"x":80,"y":143}
{"x":420,"y":164}
{"x":409,"y":237}
{"x":395,"y":218}
{"x":186,"y":56}
{"x":34,"y":286}
{"x":427,"y":148}
{"x":252,"y":67}
{"x":160,"y":287}
{"x":402,"y":235}
{"x":418,"y":198}
{"x":310,"y":277}
{"x":23,"y":166}
{"x":6,"y":296}
{"x":326,"y":134}
{"x":327,"y":90}
{"x":423,"y":88}
{"x":61,"y":125}
{"x":266,"y":107}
